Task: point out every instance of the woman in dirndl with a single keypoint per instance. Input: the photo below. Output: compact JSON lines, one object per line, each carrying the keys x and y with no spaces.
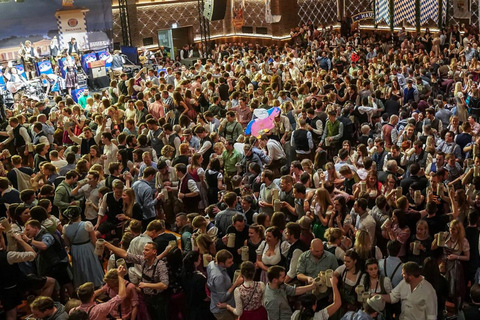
{"x":248,"y":296}
{"x":70,"y":74}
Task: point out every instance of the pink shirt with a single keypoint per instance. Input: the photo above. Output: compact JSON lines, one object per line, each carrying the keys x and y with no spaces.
{"x":130,"y":301}
{"x":157,"y":110}
{"x":99,"y":311}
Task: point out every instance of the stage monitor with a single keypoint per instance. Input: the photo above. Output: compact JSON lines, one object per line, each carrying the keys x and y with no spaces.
{"x":131,"y":53}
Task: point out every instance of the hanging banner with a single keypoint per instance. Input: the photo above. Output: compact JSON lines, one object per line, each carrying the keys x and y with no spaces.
{"x":238,"y":7}
{"x":382,"y":11}
{"x":404,"y":10}
{"x":461,"y":9}
{"x":363,"y":16}
{"x":429,"y":10}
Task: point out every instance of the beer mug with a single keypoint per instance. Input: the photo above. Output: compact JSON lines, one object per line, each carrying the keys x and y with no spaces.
{"x":363,"y":186}
{"x":399,"y":192}
{"x":121,"y":262}
{"x":231,"y":240}
{"x":99,"y":247}
{"x":441,"y":236}
{"x":173,"y":243}
{"x":386,"y":223}
{"x":328,"y":276}
{"x":360,"y":289}
{"x":245,"y":253}
{"x":5,"y":224}
{"x":416,"y":247}
{"x":277,"y":205}
{"x":165,"y":194}
{"x":365,"y":296}
{"x":476,"y":171}
{"x":418,"y":197}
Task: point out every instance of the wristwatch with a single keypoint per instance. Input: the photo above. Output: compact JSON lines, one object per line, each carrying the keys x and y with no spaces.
{"x":29,"y":241}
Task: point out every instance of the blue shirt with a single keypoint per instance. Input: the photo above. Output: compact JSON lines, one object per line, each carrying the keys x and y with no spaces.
{"x":359,"y":315}
{"x":145,"y":198}
{"x":391,"y":264}
{"x":218,"y":282}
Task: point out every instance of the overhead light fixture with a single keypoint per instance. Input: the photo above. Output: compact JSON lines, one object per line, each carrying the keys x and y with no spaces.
{"x":174,"y":25}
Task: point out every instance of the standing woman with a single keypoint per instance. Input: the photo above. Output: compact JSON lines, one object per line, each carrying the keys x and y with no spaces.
{"x":256,"y":234}
{"x":399,"y":231}
{"x":422,"y":235}
{"x":272,"y":251}
{"x":80,"y":236}
{"x":131,"y":209}
{"x":349,"y":276}
{"x":198,"y":174}
{"x":195,"y":284}
{"x":322,"y":203}
{"x":180,"y":105}
{"x":71,"y":73}
{"x":374,"y":282}
{"x":456,"y":250}
{"x":248,"y":296}
{"x":462,"y":112}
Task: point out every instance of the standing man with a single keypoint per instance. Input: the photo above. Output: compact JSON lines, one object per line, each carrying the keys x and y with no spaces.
{"x":220,"y":285}
{"x":230,"y":158}
{"x":418,"y":297}
{"x":332,"y":133}
{"x":265,"y":200}
{"x":144,"y":195}
{"x":188,"y":191}
{"x":302,"y":140}
{"x":276,"y":292}
{"x":154,"y":281}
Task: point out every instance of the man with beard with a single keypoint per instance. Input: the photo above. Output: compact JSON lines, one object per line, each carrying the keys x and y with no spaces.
{"x":419,"y":299}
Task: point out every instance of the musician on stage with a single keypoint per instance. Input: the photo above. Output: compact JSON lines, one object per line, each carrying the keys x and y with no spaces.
{"x":28,"y":55}
{"x":54,"y":50}
{"x":14,"y":82}
{"x":117,"y":64}
{"x":49,"y":81}
{"x":146,"y":56}
{"x":73,"y":47}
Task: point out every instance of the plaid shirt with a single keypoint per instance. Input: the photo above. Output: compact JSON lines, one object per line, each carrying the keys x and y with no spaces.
{"x":157,"y":271}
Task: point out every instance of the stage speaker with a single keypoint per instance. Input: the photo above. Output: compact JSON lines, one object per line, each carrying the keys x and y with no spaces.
{"x":215,"y":10}
{"x":98,"y":83}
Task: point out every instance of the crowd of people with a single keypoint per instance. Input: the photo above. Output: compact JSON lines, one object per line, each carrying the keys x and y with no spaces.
{"x":148,"y":200}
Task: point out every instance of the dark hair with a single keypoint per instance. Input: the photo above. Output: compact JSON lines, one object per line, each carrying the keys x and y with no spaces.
{"x":294,"y":229}
{"x":223,"y":255}
{"x":431,"y":272}
{"x":276,"y":233}
{"x":475,"y":293}
{"x":393,"y":247}
{"x":38,"y":213}
{"x":352,"y":254}
{"x":402,"y":219}
{"x":189,"y":264}
{"x":247,"y":269}
{"x":412,"y":269}
{"x":274,"y":272}
{"x":369,"y":262}
{"x":261,"y":218}
{"x":308,"y":301}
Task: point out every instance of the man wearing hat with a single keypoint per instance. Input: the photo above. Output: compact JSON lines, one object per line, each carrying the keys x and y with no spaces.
{"x":372,"y":308}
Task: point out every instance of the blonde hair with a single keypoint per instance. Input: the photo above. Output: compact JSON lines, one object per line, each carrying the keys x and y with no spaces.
{"x":333,"y":234}
{"x":363,"y":244}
